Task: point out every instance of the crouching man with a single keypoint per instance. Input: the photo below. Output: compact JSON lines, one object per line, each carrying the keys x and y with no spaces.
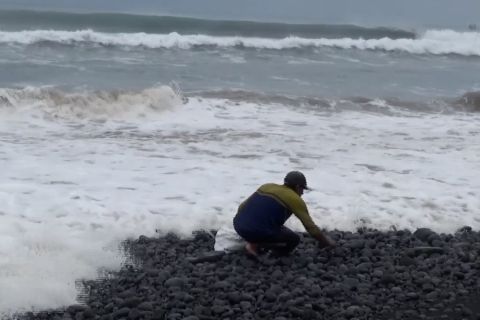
{"x":260,"y":219}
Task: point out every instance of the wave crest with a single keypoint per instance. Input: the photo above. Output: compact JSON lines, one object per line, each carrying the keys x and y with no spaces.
{"x":115,"y":22}
{"x":437,"y":42}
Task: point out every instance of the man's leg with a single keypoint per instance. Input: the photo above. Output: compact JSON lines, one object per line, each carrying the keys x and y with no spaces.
{"x":252,"y":248}
{"x":283,"y":242}
{"x":251,"y":239}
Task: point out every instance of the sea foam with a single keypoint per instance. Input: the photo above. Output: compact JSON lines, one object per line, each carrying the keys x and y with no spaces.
{"x":73,"y":188}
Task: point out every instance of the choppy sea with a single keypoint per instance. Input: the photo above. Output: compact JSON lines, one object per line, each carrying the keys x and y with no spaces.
{"x":114,"y":125}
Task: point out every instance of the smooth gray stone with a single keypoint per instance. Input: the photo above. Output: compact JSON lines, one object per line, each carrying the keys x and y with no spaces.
{"x":218,"y":309}
{"x":121,"y":313}
{"x":73,"y":309}
{"x":364,"y":267}
{"x":352,"y":310}
{"x":406,"y":261}
{"x":464,"y":229}
{"x":412,"y":295}
{"x":131,"y":302}
{"x":147,"y":306}
{"x":423,"y":233}
{"x":388,"y":278}
{"x":213,"y":256}
{"x":175,"y":282}
{"x":355,"y":244}
{"x":351,"y":283}
{"x":278,"y":274}
{"x":416,"y":251}
{"x":134,"y":314}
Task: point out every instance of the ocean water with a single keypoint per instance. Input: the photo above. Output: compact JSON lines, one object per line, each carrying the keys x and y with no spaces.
{"x":113,"y":126}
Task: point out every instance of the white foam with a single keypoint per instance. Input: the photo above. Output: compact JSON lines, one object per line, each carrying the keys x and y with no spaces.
{"x":71,"y":189}
{"x":431,"y":42}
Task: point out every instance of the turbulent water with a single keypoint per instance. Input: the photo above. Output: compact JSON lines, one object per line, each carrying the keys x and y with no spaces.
{"x":112,"y":126}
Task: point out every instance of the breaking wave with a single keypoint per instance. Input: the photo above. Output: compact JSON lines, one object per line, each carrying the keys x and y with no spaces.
{"x":53,"y":103}
{"x":436,"y":42}
{"x":470,"y":101}
{"x":115,"y":23}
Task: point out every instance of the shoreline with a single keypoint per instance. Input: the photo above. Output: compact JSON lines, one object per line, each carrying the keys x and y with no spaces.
{"x":370,"y":274}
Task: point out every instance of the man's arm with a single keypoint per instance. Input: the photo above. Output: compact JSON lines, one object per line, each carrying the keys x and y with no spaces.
{"x":298,"y":207}
{"x":313,"y":229}
{"x":324,"y":240}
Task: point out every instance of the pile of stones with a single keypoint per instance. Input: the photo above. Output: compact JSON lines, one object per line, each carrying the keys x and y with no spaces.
{"x":370,"y":274}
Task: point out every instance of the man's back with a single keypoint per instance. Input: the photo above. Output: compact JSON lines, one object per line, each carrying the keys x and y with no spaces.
{"x":267,"y":209}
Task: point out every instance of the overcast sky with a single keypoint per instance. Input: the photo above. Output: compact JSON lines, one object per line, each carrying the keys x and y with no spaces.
{"x":404,"y":13}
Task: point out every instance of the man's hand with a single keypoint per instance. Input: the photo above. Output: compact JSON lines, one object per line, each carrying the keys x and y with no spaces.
{"x":325,"y":241}
{"x":329,"y":242}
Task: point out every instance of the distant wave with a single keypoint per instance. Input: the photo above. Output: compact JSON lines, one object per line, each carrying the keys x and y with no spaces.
{"x":437,"y":42}
{"x":127,"y":23}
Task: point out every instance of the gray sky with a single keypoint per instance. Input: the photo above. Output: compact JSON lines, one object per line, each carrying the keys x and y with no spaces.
{"x":402,"y":13}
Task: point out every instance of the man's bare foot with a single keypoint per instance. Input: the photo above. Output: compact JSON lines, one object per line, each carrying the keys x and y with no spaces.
{"x":251,"y":249}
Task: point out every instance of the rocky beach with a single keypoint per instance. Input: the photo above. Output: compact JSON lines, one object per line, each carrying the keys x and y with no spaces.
{"x":396,"y":274}
{"x":130,"y":134}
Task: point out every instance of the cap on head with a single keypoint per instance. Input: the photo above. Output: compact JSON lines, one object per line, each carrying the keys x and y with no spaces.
{"x":295,"y":178}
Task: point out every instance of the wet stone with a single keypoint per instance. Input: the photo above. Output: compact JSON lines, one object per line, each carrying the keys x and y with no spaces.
{"x":388,"y":278}
{"x":73,"y":309}
{"x":356,"y":244}
{"x":131,"y":302}
{"x":424,"y":234}
{"x":145,"y":306}
{"x":175,"y":282}
{"x":123,"y":312}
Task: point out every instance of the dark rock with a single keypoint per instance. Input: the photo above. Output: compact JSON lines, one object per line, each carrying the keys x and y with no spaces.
{"x":424,"y":234}
{"x":377,"y":273}
{"x":218,"y":309}
{"x":352,"y":311}
{"x":73,"y":309}
{"x":134,"y":314}
{"x":131,"y":302}
{"x":397,"y":290}
{"x":364,"y":267}
{"x":175,"y":282}
{"x":387,"y":278}
{"x":355,"y":244}
{"x":207,"y":257}
{"x":406,"y":261}
{"x":412,"y":295}
{"x":277,"y":274}
{"x":123,"y":312}
{"x":416,"y":251}
{"x":148,"y":306}
{"x":351,"y":283}
{"x":464,"y":229}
